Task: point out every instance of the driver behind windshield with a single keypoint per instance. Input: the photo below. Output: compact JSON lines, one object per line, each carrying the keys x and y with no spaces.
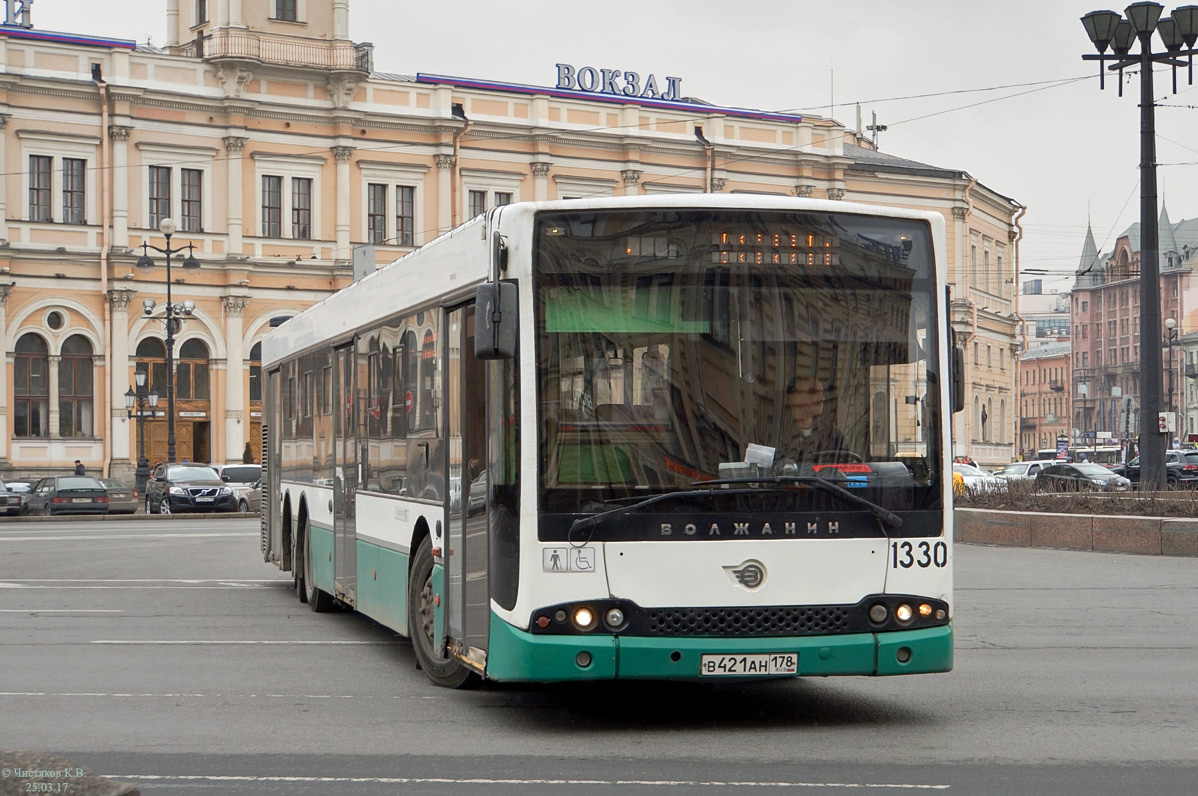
{"x":813,"y":438}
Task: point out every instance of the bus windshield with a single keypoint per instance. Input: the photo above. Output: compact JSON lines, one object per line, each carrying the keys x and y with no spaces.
{"x":682,"y":346}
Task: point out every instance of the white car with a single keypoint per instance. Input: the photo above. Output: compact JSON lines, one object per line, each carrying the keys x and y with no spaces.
{"x":1022,"y":471}
{"x":978,"y":480}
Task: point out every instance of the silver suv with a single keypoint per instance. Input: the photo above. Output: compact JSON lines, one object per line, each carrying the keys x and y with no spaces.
{"x":238,"y":474}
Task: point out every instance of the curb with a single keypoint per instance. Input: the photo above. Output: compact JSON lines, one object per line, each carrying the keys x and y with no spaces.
{"x":1154,"y":536}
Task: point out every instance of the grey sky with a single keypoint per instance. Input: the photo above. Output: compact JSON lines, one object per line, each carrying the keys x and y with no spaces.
{"x":1044,"y":134}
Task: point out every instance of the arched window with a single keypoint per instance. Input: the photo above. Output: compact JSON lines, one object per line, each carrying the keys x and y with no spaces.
{"x":1002,"y":421}
{"x":256,"y":372}
{"x":191,"y":371}
{"x":151,"y":357}
{"x":75,"y":406}
{"x":31,"y":387}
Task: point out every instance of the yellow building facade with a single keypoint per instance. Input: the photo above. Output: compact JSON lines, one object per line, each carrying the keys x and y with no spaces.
{"x":283,"y":159}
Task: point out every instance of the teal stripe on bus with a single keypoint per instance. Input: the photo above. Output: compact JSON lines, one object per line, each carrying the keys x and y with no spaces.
{"x":321,"y":540}
{"x":516,"y":655}
{"x":383,"y":585}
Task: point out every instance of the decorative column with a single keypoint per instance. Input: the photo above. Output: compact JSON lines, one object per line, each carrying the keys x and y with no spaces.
{"x":445,"y":164}
{"x":119,"y":177}
{"x":836,"y":194}
{"x":235,"y":377}
{"x":632,"y":178}
{"x":172,"y":40}
{"x":234,"y":145}
{"x":5,"y":427}
{"x":54,"y":360}
{"x":342,"y":155}
{"x":4,"y":117}
{"x":804,"y":190}
{"x":540,"y":174}
{"x":122,"y":443}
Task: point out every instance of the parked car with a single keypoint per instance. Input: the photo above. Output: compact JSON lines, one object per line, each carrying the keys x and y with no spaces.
{"x":122,"y":498}
{"x":68,"y":494}
{"x":1181,"y":469}
{"x":13,"y":501}
{"x":238,"y":474}
{"x":975,"y":479}
{"x":1021,"y":471}
{"x":176,"y":488}
{"x":1080,"y":477}
{"x":249,"y":498}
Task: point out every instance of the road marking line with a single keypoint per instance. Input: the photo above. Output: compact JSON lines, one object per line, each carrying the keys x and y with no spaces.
{"x":15,"y":585}
{"x":218,"y":642}
{"x":491,"y":781}
{"x":93,"y":537}
{"x":61,"y":611}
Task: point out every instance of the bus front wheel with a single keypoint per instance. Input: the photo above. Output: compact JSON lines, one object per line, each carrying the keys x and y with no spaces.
{"x":443,"y":671}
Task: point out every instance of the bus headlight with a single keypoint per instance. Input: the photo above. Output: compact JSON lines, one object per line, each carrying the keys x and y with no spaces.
{"x":877,"y":613}
{"x":584,"y":618}
{"x":904,"y":614}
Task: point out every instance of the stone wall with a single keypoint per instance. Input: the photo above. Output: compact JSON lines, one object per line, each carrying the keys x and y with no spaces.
{"x":1106,"y":534}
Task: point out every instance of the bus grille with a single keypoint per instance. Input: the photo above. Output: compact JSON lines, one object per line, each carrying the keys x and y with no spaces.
{"x":780,"y":621}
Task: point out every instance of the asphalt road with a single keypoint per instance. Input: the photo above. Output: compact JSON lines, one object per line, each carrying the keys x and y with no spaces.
{"x":164,"y":652}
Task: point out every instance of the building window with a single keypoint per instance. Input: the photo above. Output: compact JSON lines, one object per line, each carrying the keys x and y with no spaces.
{"x":405,"y":214}
{"x":376,"y":213}
{"x":39,"y":187}
{"x":285,"y":10}
{"x":73,"y":171}
{"x":256,"y":372}
{"x":272,"y":206}
{"x":201,"y":11}
{"x":191,"y":211}
{"x":502,"y":198}
{"x":75,"y":388}
{"x":477,"y":203}
{"x":301,"y":208}
{"x":160,"y":194}
{"x":31,"y":387}
{"x":191,"y":371}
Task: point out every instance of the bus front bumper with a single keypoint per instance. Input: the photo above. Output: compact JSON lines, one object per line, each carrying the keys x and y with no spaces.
{"x":516,"y":655}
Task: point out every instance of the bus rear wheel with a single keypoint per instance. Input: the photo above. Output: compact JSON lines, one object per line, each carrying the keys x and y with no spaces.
{"x":318,"y":600}
{"x":444,"y":671}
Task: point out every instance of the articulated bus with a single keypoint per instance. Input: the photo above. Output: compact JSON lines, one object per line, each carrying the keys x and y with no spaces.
{"x":554,"y":443}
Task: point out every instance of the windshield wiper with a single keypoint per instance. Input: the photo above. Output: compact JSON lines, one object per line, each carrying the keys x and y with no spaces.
{"x":885,"y":515}
{"x":779,"y":483}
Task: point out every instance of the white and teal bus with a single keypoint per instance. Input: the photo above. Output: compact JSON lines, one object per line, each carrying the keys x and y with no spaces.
{"x":554,"y":444}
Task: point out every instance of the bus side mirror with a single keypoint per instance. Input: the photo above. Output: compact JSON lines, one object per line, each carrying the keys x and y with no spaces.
{"x":956,"y":383}
{"x":496,"y":321}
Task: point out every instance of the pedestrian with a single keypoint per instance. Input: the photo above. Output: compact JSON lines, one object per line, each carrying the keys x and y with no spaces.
{"x":78,"y":467}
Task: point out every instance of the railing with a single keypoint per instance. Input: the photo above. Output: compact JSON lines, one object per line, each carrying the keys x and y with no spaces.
{"x":279,"y":50}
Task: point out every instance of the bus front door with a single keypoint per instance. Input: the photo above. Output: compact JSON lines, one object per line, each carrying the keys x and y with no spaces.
{"x":345,"y":478}
{"x":469,"y":601}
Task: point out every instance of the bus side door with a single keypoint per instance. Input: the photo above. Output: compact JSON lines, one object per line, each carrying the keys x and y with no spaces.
{"x":469,"y":601}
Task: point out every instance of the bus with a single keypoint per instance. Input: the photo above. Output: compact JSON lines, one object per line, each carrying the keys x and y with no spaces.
{"x":553,"y":444}
{"x":1106,"y":455}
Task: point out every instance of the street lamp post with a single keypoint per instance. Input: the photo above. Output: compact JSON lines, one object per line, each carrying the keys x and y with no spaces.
{"x":1171,"y":338}
{"x":1083,"y":391}
{"x":1179,"y":34}
{"x":172,"y":315}
{"x":141,"y":397}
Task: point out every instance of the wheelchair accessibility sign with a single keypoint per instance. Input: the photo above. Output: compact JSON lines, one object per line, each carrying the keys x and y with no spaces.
{"x":568,"y":559}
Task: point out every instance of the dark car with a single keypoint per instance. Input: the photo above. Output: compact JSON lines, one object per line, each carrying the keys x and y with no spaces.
{"x":1181,"y":469}
{"x":13,"y":499}
{"x":68,"y":494}
{"x":1080,"y":477}
{"x":177,"y":488}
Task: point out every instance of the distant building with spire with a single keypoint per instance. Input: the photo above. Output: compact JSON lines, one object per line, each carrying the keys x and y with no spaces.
{"x":1105,"y":332}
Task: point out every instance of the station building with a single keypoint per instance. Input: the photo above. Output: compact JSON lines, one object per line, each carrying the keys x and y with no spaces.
{"x":284,"y":158}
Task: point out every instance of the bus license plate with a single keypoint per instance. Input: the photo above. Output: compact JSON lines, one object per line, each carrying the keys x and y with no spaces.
{"x":761,"y":664}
